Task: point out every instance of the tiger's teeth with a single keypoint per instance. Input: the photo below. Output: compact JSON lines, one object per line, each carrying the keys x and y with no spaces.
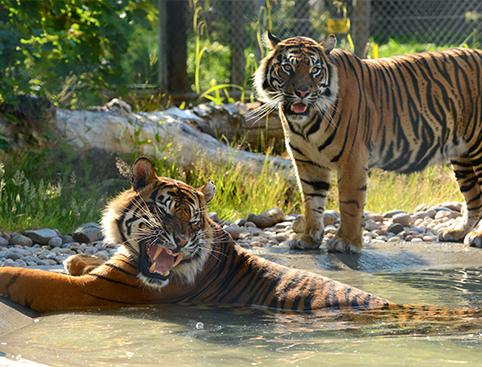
{"x":152,"y":268}
{"x":178,"y":260}
{"x":158,"y":252}
{"x":165,"y":274}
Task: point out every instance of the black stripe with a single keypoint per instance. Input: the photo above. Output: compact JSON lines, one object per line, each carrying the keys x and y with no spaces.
{"x":317,"y":185}
{"x":113,"y":280}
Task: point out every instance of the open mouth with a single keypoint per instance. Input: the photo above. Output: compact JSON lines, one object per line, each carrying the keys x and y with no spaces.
{"x":161,"y":261}
{"x":298,"y":108}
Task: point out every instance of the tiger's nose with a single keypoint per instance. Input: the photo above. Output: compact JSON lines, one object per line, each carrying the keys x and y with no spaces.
{"x":302,"y":92}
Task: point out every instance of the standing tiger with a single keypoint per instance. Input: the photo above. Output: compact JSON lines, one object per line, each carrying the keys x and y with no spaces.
{"x":171,"y":252}
{"x":401,"y":114}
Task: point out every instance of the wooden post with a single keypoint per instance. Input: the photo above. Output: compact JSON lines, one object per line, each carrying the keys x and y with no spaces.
{"x":360,"y":26}
{"x":173,"y":46}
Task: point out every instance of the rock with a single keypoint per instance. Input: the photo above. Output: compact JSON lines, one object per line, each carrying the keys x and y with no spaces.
{"x":234,"y":230}
{"x":402,"y":218}
{"x":330,"y":217}
{"x":87,"y":233}
{"x":268,"y":218}
{"x":3,"y":242}
{"x":395,"y":228}
{"x":55,"y":242}
{"x":41,"y":236}
{"x":213,"y":216}
{"x":240,"y":222}
{"x":416,"y":239}
{"x":281,"y":237}
{"x":422,"y":208}
{"x":9,"y":262}
{"x":391,"y":213}
{"x":375,"y":217}
{"x":5,"y":235}
{"x":299,"y":224}
{"x":371,"y":225}
{"x":394,"y":239}
{"x":14,"y":254}
{"x":66,"y":238}
{"x":20,"y":240}
{"x":447,"y":213}
{"x":453,"y":205}
{"x":291,"y":217}
{"x":249,"y":224}
{"x":429,"y":238}
{"x":330,"y":230}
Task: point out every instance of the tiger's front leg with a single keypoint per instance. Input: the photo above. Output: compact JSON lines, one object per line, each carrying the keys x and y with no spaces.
{"x":113,"y":284}
{"x":314,"y":182}
{"x":352,"y":186}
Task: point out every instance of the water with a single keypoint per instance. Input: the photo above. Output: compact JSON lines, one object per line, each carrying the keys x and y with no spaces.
{"x":202,"y":336}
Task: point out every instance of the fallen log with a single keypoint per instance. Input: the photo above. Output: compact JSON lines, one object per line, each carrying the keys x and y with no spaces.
{"x":166,"y":134}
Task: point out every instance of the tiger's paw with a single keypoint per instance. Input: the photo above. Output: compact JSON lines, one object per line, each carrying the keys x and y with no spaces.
{"x":453,"y":234}
{"x":337,"y":244}
{"x":81,"y":264}
{"x":474,"y":239}
{"x":306,"y":242}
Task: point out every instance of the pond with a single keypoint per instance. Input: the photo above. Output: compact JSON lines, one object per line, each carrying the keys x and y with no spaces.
{"x":203,"y":336}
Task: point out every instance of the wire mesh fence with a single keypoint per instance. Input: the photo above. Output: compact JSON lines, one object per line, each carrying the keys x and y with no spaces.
{"x":237,"y":25}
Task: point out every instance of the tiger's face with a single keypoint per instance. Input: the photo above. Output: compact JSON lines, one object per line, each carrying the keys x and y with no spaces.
{"x":163,"y":224}
{"x":297,"y":75}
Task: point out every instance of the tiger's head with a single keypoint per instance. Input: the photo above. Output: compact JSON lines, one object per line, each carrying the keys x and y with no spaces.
{"x":297,"y":76}
{"x":162,"y":224}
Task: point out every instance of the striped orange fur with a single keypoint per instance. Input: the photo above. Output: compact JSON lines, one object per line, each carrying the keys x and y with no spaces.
{"x":344,"y":114}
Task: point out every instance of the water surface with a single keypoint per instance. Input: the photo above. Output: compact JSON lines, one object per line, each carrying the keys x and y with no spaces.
{"x":203,"y":336}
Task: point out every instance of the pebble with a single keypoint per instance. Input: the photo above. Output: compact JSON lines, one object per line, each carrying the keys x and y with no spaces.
{"x":391,"y":213}
{"x":395,"y":228}
{"x":402,"y":218}
{"x":234,"y":230}
{"x":274,"y":229}
{"x":3,"y":242}
{"x":330,"y":217}
{"x":41,"y":236}
{"x":87,"y":233}
{"x":55,"y":242}
{"x":267,"y":219}
{"x":20,"y":240}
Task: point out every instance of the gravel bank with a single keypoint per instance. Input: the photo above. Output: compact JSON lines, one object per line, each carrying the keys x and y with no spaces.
{"x":46,"y":246}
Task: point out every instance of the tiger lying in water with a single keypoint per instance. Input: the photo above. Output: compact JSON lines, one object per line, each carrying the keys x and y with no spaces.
{"x":171,"y":252}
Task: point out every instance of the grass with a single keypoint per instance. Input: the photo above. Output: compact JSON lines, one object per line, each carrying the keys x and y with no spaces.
{"x":59,"y":190}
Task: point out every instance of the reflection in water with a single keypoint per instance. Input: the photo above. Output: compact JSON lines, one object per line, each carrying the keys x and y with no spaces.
{"x":204,"y":336}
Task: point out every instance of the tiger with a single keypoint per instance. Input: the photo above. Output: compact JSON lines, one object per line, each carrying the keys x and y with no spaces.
{"x":346,"y":114}
{"x":171,"y":252}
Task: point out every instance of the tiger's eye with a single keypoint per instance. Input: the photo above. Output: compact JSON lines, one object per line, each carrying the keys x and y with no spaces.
{"x":287,"y":68}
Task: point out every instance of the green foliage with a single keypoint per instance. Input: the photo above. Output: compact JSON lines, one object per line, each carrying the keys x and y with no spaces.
{"x":67,"y":50}
{"x":37,"y":190}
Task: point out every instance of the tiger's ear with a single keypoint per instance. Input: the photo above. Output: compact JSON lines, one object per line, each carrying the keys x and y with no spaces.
{"x":270,"y":40}
{"x":143,"y":173}
{"x":329,"y":43}
{"x":208,"y":191}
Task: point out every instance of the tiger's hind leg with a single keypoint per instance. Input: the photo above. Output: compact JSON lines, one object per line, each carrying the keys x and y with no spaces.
{"x":81,"y":264}
{"x":469,"y":185}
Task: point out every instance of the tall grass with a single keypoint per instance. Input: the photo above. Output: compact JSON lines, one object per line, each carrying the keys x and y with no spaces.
{"x":46,"y":189}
